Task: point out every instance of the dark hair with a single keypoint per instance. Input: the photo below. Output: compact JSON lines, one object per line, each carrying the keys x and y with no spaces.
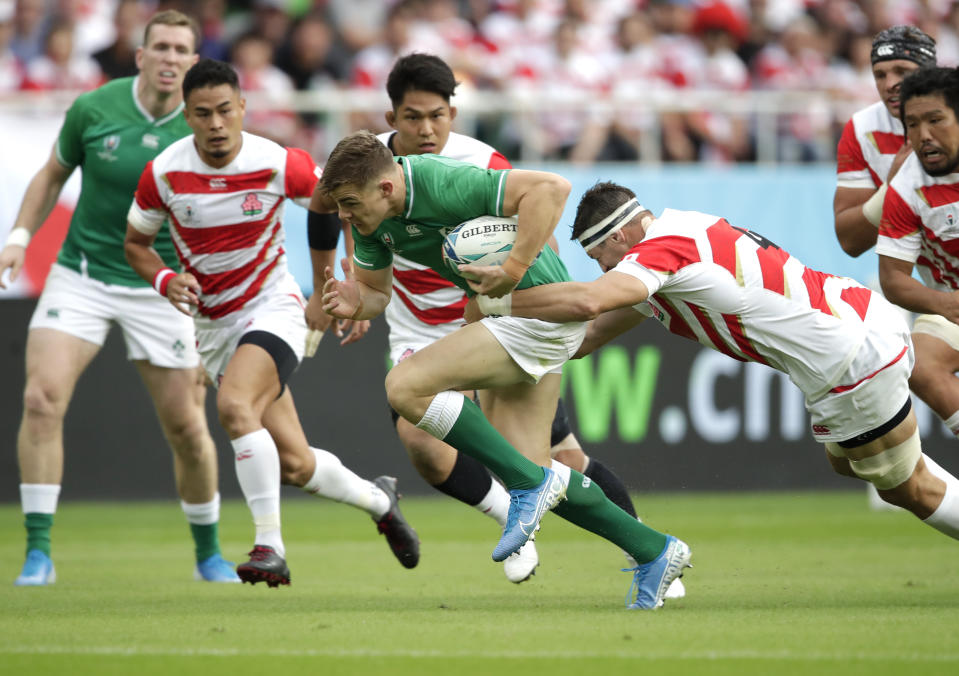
{"x":420,"y":72}
{"x":928,"y":82}
{"x":171,"y":17}
{"x":597,"y":203}
{"x":209,"y":73}
{"x":356,"y":160}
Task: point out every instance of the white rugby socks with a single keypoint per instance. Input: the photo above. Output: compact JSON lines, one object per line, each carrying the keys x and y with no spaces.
{"x":258,"y":473}
{"x":331,"y":479}
{"x":495,"y":504}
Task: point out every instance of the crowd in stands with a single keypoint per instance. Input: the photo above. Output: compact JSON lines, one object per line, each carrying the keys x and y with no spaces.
{"x":557,"y":50}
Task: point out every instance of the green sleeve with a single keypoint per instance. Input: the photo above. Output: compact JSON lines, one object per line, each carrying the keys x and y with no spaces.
{"x":369,"y":253}
{"x":70,"y":141}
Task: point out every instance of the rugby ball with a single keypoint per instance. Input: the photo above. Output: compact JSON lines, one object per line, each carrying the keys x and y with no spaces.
{"x":486,"y":240}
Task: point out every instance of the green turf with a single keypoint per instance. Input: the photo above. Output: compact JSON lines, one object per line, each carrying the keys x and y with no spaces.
{"x":810,"y":583}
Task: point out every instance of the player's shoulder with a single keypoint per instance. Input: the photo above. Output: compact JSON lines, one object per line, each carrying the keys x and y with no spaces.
{"x":875,"y":117}
{"x":467,"y":149}
{"x":108,"y":97}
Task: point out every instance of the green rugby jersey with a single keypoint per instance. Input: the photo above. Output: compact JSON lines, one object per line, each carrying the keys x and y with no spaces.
{"x":440,"y":194}
{"x":111,"y":137}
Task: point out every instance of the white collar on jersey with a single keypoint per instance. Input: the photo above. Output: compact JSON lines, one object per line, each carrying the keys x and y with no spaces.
{"x":606,"y":227}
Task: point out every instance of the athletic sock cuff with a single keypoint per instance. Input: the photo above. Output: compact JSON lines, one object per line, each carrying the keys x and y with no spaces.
{"x":39,"y":498}
{"x":202,"y":514}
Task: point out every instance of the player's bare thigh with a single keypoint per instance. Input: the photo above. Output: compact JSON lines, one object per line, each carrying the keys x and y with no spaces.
{"x":523,"y":414}
{"x":54,"y":362}
{"x":468,"y":358}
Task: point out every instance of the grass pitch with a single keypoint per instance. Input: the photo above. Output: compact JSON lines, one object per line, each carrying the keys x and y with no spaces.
{"x":785,"y":583}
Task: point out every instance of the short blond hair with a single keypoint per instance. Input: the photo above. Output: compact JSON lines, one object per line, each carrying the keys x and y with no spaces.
{"x":172,"y":17}
{"x":356,"y":160}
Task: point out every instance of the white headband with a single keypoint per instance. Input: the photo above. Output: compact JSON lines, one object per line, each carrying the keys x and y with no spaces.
{"x":606,"y":227}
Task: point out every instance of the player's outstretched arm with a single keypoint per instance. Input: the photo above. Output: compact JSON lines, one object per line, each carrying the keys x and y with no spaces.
{"x":38,"y":201}
{"x":901,"y":288}
{"x":606,"y":327}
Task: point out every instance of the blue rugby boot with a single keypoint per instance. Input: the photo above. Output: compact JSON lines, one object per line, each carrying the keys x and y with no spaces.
{"x":651,"y":580}
{"x":526,"y":508}
{"x":215,"y":569}
{"x":37,"y":570}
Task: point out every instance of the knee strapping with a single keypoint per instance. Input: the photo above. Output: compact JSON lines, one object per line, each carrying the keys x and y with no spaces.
{"x":442,"y":414}
{"x":893,"y":466}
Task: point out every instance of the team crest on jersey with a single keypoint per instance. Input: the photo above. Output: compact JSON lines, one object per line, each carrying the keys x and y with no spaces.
{"x":110,"y":143}
{"x":252,"y":205}
{"x":413,"y":230}
{"x":151,"y":141}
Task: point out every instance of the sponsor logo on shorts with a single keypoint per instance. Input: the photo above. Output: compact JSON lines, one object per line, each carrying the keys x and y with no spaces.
{"x":53,"y":313}
{"x":820,"y":430}
{"x":245,"y":454}
{"x":178,"y":347}
{"x":251,"y":205}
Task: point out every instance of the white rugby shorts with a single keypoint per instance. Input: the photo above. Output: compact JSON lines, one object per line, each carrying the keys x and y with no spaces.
{"x":278,"y":311}
{"x":153,"y":330}
{"x":538,"y":347}
{"x":874,"y":386}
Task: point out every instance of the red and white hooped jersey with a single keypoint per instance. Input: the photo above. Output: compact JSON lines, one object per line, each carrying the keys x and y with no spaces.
{"x":869,"y":142}
{"x":226,"y":223}
{"x":736,"y":292}
{"x":920,"y":224}
{"x":425,"y":306}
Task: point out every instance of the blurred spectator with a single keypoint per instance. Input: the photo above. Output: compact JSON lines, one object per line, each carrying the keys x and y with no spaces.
{"x":271,"y":20}
{"x":213,"y":42}
{"x":11,"y":70}
{"x":372,"y":65}
{"x":59,"y":67}
{"x":252,"y":56}
{"x":310,"y":58}
{"x":29,"y":28}
{"x":680,"y":64}
{"x":636,"y":70}
{"x":360,"y":23}
{"x":796,"y":63}
{"x":721,"y":137}
{"x":568,"y":76}
{"x":119,"y":59}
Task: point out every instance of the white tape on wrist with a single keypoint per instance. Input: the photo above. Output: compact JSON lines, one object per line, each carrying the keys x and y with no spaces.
{"x":19,"y":237}
{"x":872,"y":207}
{"x":495,"y":307}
